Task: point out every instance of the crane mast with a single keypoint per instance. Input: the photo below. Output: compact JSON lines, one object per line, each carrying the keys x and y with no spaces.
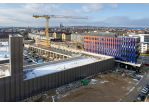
{"x":54,"y":16}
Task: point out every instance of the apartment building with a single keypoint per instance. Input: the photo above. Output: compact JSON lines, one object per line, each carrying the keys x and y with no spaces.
{"x":121,"y":47}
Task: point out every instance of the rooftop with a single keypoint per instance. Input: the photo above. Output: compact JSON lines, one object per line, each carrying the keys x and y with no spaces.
{"x":35,"y":70}
{"x":98,"y":34}
{"x":47,"y":69}
{"x":104,"y":34}
{"x":139,"y":34}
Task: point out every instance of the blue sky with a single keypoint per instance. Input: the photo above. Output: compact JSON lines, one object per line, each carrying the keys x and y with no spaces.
{"x":99,"y":14}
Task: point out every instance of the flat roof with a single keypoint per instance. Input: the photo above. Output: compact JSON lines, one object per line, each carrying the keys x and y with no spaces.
{"x":56,"y":67}
{"x":97,"y":34}
{"x":104,"y":34}
{"x":140,"y":34}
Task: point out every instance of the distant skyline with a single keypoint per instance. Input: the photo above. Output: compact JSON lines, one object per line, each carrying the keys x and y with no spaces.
{"x":99,"y":14}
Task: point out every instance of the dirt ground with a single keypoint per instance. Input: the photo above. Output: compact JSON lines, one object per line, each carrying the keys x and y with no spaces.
{"x":107,"y":88}
{"x":110,"y":91}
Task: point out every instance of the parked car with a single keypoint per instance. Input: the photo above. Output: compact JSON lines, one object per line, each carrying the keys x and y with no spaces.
{"x":29,"y":61}
{"x":25,"y":57}
{"x":136,"y":77}
{"x":145,"y":90}
{"x":141,"y":97}
{"x":147,"y":64}
{"x":147,"y":86}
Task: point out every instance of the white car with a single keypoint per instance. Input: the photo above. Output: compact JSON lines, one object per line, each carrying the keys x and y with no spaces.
{"x":145,"y":90}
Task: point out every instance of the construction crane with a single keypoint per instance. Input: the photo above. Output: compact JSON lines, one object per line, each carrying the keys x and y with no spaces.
{"x":54,"y":16}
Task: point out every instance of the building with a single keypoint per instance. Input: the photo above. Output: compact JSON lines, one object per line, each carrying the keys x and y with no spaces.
{"x":42,"y":40}
{"x":43,"y":32}
{"x":59,"y":35}
{"x":144,"y":39}
{"x":78,"y":38}
{"x":66,"y":37}
{"x":122,"y":48}
{"x":73,"y":27}
{"x":144,"y":47}
{"x":51,"y":75}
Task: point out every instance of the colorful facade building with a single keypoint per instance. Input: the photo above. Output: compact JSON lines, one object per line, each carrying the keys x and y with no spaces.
{"x":122,"y":48}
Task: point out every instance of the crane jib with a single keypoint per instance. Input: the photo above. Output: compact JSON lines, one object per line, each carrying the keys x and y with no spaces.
{"x":55,"y":16}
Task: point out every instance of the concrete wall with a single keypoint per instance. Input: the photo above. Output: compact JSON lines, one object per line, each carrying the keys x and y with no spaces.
{"x":14,"y":88}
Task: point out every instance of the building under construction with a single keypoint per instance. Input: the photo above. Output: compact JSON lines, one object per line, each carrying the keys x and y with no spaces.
{"x":46,"y":76}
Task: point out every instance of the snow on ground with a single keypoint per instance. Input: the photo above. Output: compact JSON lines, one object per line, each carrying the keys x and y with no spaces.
{"x":130,"y":90}
{"x":53,"y":98}
{"x":61,"y":96}
{"x":42,"y":70}
{"x":140,"y":76}
{"x":93,"y":81}
{"x":103,"y":81}
{"x":135,"y":79}
{"x":4,"y":50}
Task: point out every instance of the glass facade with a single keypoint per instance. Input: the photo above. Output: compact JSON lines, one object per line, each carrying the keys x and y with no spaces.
{"x":122,"y":48}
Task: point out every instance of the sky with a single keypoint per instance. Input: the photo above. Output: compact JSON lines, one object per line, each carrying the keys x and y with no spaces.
{"x":99,"y":14}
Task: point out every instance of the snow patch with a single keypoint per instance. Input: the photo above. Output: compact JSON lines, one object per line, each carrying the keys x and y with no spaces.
{"x":42,"y":70}
{"x":129,"y":82}
{"x":53,"y":98}
{"x":119,"y":100}
{"x":65,"y":95}
{"x":140,"y":76}
{"x":93,"y":81}
{"x":135,"y":79}
{"x":103,"y":81}
{"x":130,"y":91}
{"x":61,"y":96}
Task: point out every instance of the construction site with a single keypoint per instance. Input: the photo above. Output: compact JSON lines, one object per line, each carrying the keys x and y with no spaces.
{"x":49,"y":70}
{"x":28,"y":80}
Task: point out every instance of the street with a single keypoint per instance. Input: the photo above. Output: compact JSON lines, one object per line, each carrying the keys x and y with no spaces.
{"x":132,"y":96}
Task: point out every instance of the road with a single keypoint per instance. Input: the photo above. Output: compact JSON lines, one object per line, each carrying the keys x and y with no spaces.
{"x":132,"y":96}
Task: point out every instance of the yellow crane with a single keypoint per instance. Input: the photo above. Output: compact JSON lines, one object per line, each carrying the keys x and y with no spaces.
{"x":55,"y":16}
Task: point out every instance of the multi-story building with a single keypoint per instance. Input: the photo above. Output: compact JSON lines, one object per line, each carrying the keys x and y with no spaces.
{"x":121,"y":47}
{"x":144,"y":39}
{"x":77,"y":38}
{"x":144,"y":47}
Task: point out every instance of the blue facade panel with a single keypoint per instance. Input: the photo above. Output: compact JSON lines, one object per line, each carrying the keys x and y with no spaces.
{"x":122,"y":48}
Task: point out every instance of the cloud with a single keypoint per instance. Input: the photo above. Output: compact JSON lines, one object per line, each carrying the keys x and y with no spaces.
{"x":85,"y":9}
{"x":113,"y":6}
{"x":91,"y":7}
{"x":22,"y":16}
{"x":96,"y":6}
